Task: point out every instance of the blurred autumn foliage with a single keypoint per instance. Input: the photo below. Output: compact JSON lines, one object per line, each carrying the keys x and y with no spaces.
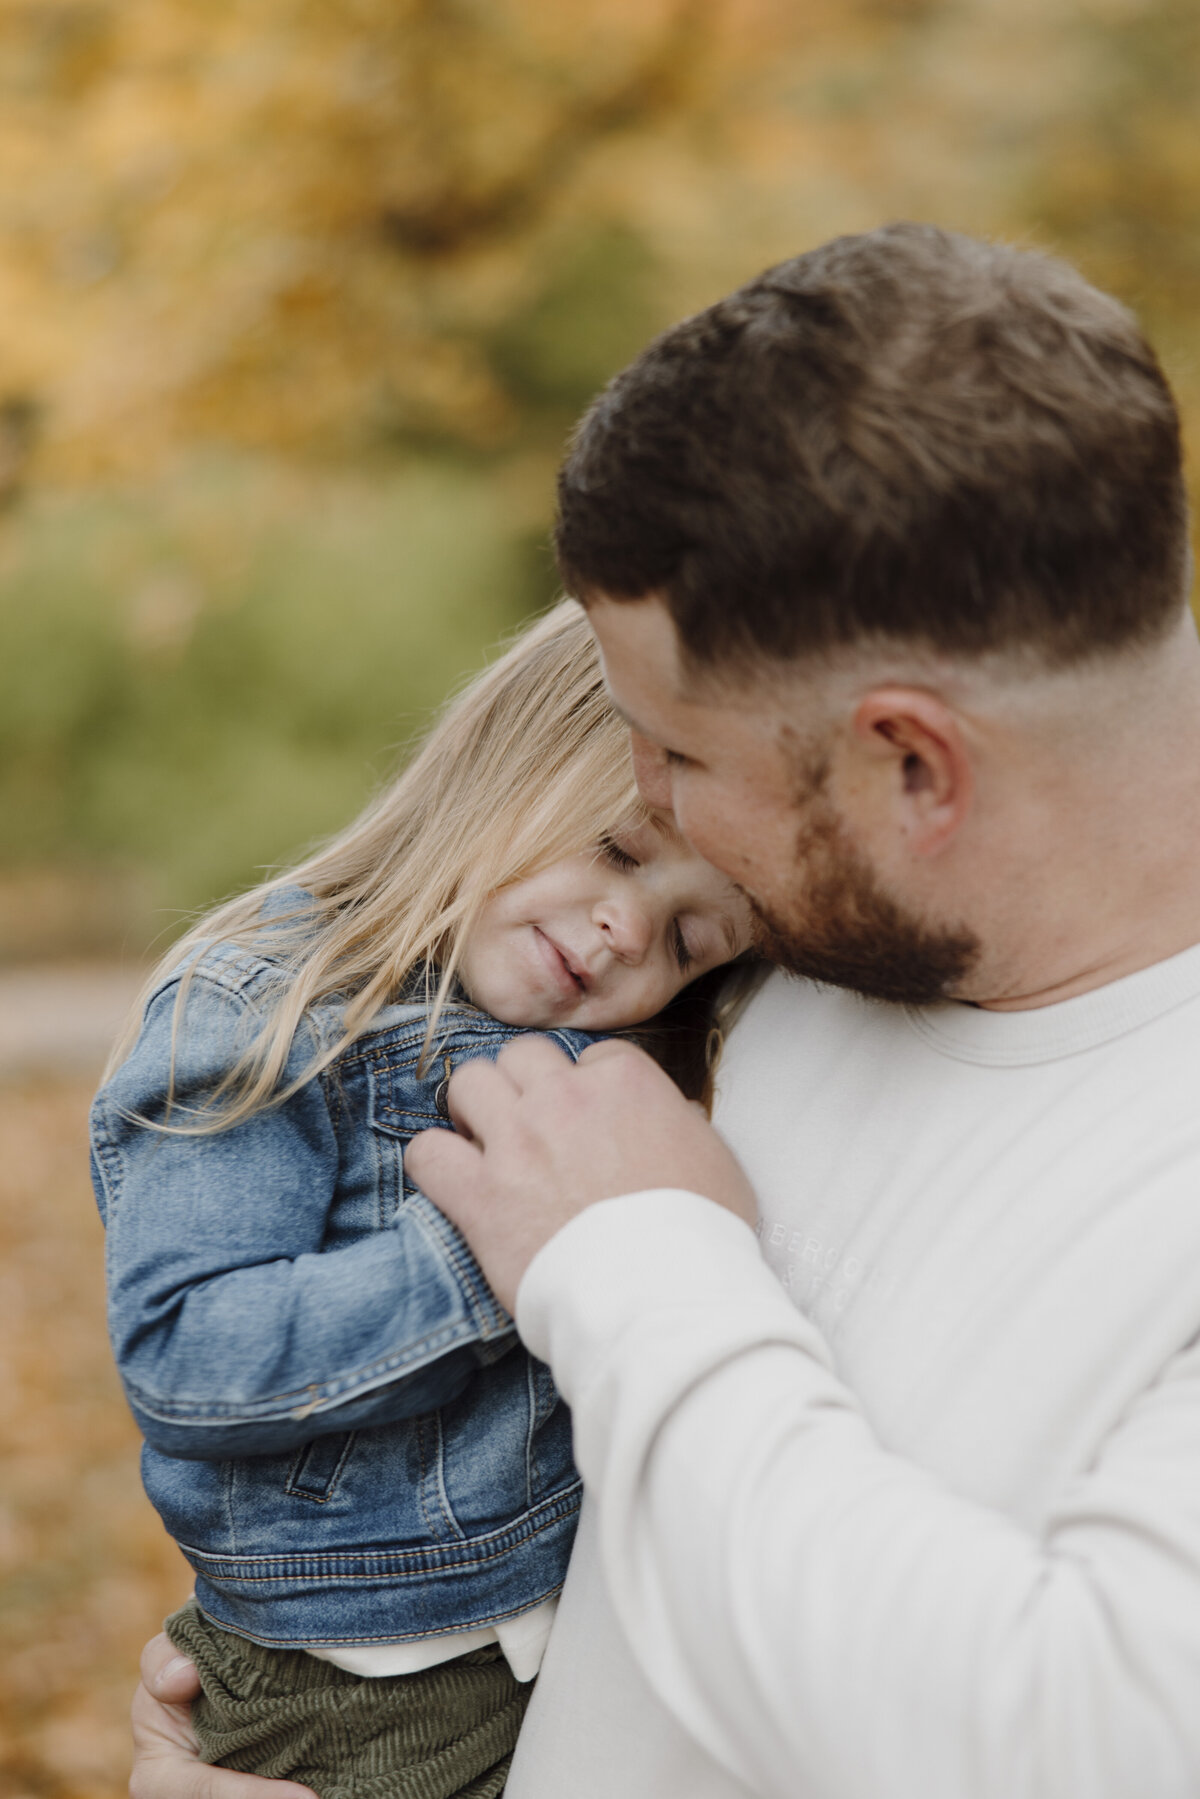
{"x":345,"y":224}
{"x":301,"y":296}
{"x":298,"y":299}
{"x":307,"y":227}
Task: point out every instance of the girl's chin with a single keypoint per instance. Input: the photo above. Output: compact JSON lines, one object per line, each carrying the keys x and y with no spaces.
{"x":526,"y":1011}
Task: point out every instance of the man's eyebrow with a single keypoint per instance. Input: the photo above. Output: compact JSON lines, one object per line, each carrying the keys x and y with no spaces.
{"x":643,"y":732}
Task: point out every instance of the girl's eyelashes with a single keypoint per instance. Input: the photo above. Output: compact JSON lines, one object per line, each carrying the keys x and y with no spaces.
{"x":683,"y":954}
{"x":611,"y":850}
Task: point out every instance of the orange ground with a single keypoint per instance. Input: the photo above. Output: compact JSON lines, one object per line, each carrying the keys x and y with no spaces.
{"x":86,"y":1571}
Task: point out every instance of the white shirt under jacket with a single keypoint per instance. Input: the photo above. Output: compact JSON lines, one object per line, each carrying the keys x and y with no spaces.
{"x":912,"y":1509}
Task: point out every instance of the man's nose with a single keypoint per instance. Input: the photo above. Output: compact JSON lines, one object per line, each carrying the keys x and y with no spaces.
{"x":651,"y":771}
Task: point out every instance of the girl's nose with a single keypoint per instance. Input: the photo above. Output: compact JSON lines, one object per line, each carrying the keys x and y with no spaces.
{"x":626,"y":927}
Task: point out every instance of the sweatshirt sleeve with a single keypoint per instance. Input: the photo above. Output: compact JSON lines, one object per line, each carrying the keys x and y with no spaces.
{"x":823,"y":1616}
{"x":235,"y":1330}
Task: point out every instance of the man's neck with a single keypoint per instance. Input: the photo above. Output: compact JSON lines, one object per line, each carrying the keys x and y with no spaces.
{"x":1105,"y":849}
{"x":1052,"y":987}
{"x":1085,"y":922}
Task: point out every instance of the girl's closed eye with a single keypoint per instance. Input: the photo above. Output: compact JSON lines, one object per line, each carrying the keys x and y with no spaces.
{"x":620,"y":858}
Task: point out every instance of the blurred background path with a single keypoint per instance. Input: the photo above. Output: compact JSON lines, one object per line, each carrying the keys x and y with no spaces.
{"x":61,"y":1017}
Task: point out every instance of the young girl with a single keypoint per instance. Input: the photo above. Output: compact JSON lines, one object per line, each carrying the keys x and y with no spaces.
{"x":369,"y":1475}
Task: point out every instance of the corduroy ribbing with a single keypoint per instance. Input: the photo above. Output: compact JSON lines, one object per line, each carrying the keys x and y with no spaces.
{"x":447,"y":1732}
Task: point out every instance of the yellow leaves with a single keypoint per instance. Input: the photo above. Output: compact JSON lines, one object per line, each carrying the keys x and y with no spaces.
{"x":223,"y":219}
{"x":302,"y":224}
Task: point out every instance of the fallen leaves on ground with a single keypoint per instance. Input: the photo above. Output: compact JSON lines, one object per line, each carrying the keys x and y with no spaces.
{"x":86,"y":1571}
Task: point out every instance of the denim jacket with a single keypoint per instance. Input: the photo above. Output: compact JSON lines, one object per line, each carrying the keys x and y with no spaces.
{"x":342,"y":1432}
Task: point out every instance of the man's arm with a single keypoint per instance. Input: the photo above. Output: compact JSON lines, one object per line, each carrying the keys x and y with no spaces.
{"x":821,"y":1614}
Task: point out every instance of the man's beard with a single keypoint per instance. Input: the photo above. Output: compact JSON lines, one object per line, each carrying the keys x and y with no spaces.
{"x":850,"y":933}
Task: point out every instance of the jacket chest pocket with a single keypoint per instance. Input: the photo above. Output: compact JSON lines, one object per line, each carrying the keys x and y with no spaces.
{"x":406,"y":1098}
{"x":401,"y":1104}
{"x":404,"y":1102}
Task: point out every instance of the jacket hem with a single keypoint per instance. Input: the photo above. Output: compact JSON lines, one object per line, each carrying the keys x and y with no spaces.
{"x":361,"y":1564}
{"x":348,"y":1604}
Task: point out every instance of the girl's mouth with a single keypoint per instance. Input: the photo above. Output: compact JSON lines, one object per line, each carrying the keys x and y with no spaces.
{"x":569,"y":978}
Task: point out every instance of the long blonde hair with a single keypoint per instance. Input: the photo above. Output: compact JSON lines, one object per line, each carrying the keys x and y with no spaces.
{"x":528,"y":764}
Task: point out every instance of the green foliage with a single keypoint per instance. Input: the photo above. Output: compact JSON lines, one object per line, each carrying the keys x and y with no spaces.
{"x":199,"y":679}
{"x":591,"y":313}
{"x":1120,"y":186}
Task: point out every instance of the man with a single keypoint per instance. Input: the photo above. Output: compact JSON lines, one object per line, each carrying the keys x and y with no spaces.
{"x":887,"y":558}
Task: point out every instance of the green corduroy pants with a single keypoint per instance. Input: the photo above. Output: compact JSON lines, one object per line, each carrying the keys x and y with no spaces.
{"x":445,"y":1733}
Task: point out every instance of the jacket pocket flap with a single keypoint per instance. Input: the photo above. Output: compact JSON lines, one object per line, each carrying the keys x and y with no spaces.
{"x":406,"y":1098}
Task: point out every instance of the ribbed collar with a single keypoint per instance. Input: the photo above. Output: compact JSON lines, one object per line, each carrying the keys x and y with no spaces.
{"x":1047,"y":1033}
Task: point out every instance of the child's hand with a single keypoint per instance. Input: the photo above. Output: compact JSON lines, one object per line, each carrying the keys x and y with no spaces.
{"x":166,"y":1759}
{"x":543,"y":1139}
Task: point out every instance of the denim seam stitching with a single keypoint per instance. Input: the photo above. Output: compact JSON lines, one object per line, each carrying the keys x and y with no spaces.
{"x":487,"y":1315}
{"x":218,"y":976}
{"x":108,"y":1160}
{"x":423,"y":1481}
{"x":189,"y":1411}
{"x":331,"y":1562}
{"x":476,"y":1622}
{"x":440,"y":1475}
{"x":409,"y":1036}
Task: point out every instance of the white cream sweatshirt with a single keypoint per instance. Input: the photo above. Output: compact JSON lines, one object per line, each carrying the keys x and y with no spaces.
{"x":907,"y":1505}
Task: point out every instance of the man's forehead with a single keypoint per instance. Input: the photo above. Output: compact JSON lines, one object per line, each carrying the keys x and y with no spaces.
{"x":646,"y":669}
{"x":647,"y":672}
{"x":642,"y":656}
{"x":635,"y":634}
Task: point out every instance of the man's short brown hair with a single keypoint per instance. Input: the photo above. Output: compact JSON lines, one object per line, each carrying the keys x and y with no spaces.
{"x":907,"y":433}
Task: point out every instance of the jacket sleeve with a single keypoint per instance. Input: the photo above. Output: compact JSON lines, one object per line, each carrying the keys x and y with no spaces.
{"x":824,"y":1616}
{"x":234,"y":1332}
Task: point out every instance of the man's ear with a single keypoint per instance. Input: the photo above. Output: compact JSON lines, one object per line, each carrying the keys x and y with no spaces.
{"x":917,"y":742}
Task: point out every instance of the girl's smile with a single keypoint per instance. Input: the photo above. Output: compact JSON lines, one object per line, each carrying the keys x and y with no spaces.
{"x":604,"y":939}
{"x":570,"y":978}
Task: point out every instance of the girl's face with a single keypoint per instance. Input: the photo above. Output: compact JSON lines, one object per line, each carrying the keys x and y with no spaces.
{"x":604,"y":939}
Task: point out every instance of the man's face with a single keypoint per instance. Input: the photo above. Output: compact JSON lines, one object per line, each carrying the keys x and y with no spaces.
{"x":747,"y":785}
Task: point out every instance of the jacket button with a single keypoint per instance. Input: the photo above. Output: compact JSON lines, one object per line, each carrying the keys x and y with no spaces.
{"x":439,"y":1098}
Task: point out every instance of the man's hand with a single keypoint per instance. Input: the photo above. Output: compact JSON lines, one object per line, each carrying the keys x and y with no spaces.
{"x":543,"y":1139}
{"x":166,"y":1758}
